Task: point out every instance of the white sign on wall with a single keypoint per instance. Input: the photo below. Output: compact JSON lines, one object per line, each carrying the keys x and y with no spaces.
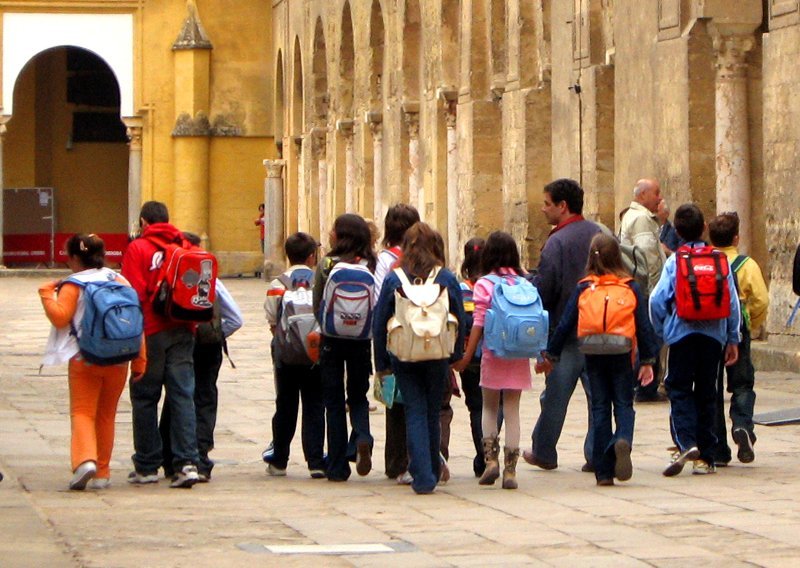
{"x":109,"y":36}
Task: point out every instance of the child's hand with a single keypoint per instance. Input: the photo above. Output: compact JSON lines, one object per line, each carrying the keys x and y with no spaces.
{"x":646,"y":375}
{"x":543,"y":366}
{"x":460,"y":365}
{"x":731,"y":354}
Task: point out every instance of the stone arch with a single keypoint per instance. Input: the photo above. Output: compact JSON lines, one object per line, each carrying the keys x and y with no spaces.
{"x":108,"y":36}
{"x":377,"y":43}
{"x":346,"y":63}
{"x":319,"y":73}
{"x":497,"y":43}
{"x":412,"y":51}
{"x":297,"y":90}
{"x":280,"y":99}
{"x":66,"y":133}
{"x":451,"y":40}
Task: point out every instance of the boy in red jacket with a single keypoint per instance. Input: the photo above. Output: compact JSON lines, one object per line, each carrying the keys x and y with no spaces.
{"x":170,"y":345}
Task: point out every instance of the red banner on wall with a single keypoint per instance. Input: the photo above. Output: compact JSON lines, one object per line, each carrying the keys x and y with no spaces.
{"x":35,"y":248}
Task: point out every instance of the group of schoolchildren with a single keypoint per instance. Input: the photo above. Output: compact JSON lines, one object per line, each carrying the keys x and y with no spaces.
{"x":402,"y":309}
{"x":422,"y":325}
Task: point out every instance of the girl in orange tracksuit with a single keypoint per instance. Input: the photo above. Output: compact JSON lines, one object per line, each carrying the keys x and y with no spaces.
{"x":94,"y":390}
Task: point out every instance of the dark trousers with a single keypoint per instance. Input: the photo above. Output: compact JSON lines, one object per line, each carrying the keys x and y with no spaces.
{"x":421,"y":385}
{"x":207,"y":362}
{"x":611,"y":380}
{"x":395,"y":452}
{"x":473,"y":398}
{"x":294,"y":383}
{"x":354,"y":356}
{"x":741,"y":379}
{"x":691,"y":383}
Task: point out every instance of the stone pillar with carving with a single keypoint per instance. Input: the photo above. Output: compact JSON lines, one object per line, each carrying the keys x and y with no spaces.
{"x":375,"y":121}
{"x":345,"y":128}
{"x":415,"y":194}
{"x":134,"y":131}
{"x":192,"y":131}
{"x":3,"y":120}
{"x":274,"y":234}
{"x":452,"y":182}
{"x":732,"y":138}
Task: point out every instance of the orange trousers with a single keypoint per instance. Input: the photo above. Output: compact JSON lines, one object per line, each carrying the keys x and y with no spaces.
{"x":94,"y":392}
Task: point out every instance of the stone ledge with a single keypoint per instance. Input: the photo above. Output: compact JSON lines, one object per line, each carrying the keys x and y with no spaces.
{"x":767,"y":356}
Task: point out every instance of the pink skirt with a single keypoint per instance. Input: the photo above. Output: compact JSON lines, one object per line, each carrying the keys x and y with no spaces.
{"x":498,"y":374}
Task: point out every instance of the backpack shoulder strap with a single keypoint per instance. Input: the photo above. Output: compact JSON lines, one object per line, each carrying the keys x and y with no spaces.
{"x":432,"y":276}
{"x":738,"y":262}
{"x":401,"y":274}
{"x":285,"y":280}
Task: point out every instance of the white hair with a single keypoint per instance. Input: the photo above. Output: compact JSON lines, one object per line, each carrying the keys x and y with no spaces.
{"x":640,"y":187}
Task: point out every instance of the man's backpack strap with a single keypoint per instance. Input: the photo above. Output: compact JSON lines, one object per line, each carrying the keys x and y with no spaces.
{"x":738,"y":262}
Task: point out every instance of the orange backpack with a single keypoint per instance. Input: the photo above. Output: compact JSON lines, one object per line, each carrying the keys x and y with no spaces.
{"x":606,"y":316}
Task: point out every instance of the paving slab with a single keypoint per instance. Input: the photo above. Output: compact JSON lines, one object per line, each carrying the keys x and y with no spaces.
{"x":745,"y":515}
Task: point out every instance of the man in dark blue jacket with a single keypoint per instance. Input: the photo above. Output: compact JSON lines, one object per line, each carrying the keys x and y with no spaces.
{"x":562,"y":264}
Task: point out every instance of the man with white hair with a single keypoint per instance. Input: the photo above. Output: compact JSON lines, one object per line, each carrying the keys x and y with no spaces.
{"x":640,"y":227}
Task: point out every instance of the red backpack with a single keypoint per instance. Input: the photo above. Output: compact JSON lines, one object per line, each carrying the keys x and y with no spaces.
{"x":186,"y":285}
{"x":701,"y":287}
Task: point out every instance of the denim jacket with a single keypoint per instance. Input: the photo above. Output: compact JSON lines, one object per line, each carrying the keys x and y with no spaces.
{"x":384,"y":310}
{"x":646,"y":341}
{"x":671,"y":328}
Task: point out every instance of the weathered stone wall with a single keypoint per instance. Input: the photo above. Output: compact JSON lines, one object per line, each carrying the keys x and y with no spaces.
{"x":781,"y":131}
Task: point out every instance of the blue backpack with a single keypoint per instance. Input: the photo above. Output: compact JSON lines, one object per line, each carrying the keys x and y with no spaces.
{"x":516,"y":323}
{"x":112,"y":324}
{"x":347,"y":301}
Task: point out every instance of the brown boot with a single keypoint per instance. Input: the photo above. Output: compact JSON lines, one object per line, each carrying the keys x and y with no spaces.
{"x":510,"y":470}
{"x":491,"y":449}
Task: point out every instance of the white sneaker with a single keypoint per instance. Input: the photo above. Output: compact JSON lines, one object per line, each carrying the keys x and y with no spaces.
{"x":100,"y":483}
{"x":137,"y":478}
{"x":276,"y":471}
{"x":83,"y":473}
{"x":405,"y":478}
{"x":185,"y":478}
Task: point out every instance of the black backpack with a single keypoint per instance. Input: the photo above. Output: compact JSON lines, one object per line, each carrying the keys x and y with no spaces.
{"x":796,"y":272}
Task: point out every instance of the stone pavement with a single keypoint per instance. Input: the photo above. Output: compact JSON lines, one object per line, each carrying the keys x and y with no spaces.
{"x":743,"y":516}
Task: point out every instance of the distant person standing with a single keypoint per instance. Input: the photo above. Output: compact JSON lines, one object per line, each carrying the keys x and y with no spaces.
{"x":260,"y":223}
{"x":670,"y":241}
{"x":641,"y":228}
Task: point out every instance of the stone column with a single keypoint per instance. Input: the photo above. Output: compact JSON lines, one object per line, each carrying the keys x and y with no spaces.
{"x":345,"y":128}
{"x":3,"y":120}
{"x":415,"y":194}
{"x":273,"y":204}
{"x":302,"y":196}
{"x":452,"y":183}
{"x":732,"y":139}
{"x":134,"y":131}
{"x":375,"y":121}
{"x":320,"y":155}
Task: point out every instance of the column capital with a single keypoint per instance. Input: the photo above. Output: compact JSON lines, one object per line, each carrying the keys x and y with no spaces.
{"x":731,"y":54}
{"x":411,"y":119}
{"x":345,"y":127}
{"x":274,"y":168}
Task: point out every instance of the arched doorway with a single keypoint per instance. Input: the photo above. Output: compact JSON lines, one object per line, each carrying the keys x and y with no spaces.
{"x":65,"y":133}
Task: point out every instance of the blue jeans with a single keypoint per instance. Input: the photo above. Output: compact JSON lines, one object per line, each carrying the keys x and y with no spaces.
{"x":169,"y":366}
{"x":559,"y":386}
{"x":422,"y":387}
{"x":337,"y":355}
{"x":611,"y":379}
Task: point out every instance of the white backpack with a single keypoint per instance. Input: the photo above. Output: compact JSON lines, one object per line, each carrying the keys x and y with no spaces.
{"x":422,"y":328}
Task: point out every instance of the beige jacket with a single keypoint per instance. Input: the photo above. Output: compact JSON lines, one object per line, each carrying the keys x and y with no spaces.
{"x":640,"y":228}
